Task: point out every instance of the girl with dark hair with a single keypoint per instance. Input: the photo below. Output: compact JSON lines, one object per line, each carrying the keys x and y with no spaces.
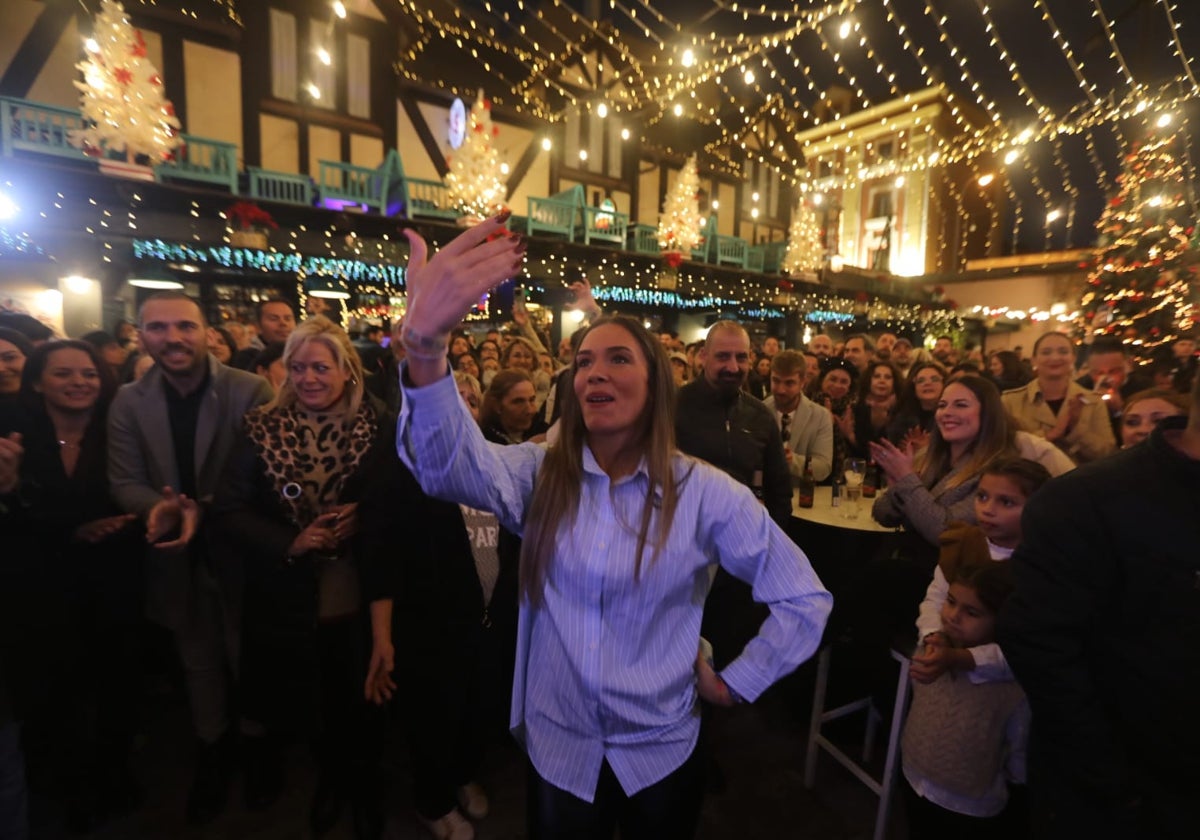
{"x":14,"y":350}
{"x":70,"y":591}
{"x":874,"y":407}
{"x":620,"y":534}
{"x":1005,"y":369}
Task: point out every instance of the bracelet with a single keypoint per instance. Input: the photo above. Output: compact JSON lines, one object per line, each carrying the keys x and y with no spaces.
{"x":424,"y":347}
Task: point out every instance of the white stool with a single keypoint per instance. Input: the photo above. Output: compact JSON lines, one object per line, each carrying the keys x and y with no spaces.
{"x":881,"y":787}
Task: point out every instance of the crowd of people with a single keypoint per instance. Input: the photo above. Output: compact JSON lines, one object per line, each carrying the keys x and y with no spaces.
{"x":584,"y":544}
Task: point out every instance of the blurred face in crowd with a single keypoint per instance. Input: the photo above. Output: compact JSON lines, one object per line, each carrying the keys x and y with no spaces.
{"x":885,"y":343}
{"x":1107,"y":370}
{"x":786,"y":389}
{"x":518,"y":407}
{"x":12,"y":362}
{"x":565,"y":353}
{"x":317,"y":377}
{"x":1140,"y":419}
{"x":943,"y":348}
{"x":142,"y":366}
{"x":902,"y":353}
{"x":612,"y":383}
{"x":770,"y":346}
{"x":174,"y":335}
{"x":822,"y":345}
{"x":521,"y":357}
{"x":1054,"y":356}
{"x":958,"y":416}
{"x":679,"y":368}
{"x":489,"y":350}
{"x":726,"y":360}
{"x":471,"y":398}
{"x":996,"y":367}
{"x":928,"y":383}
{"x":467,"y":364}
{"x":459,"y":345}
{"x":276,"y":322}
{"x":218,"y":347}
{"x":69,"y":382}
{"x":1184,"y":349}
{"x":883,"y":384}
{"x":763,"y":367}
{"x":998,"y":505}
{"x":836,"y":384}
{"x":812,"y":368}
{"x":966,"y":621}
{"x":546,"y":363}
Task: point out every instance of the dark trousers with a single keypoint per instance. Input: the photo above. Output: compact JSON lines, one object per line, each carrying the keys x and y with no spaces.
{"x":927,"y":821}
{"x":349,"y":735}
{"x":667,"y":810}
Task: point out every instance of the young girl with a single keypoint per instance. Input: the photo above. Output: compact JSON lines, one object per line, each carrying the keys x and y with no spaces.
{"x":999,"y":499}
{"x":964,"y":742}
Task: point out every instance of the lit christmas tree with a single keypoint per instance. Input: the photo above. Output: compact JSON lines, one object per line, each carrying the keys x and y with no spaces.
{"x":804,"y":251}
{"x":474,"y":184}
{"x":679,"y":224}
{"x":1142,"y":287}
{"x":121,"y":95}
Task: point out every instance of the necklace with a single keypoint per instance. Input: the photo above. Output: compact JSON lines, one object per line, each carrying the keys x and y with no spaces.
{"x":70,"y":445}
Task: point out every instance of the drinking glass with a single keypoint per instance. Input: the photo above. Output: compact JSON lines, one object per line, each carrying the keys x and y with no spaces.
{"x":855,"y":471}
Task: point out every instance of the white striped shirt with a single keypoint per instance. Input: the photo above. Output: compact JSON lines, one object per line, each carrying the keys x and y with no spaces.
{"x":605,"y":665}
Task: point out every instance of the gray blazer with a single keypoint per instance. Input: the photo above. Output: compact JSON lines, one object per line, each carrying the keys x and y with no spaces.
{"x":810,"y":434}
{"x":141,"y":462}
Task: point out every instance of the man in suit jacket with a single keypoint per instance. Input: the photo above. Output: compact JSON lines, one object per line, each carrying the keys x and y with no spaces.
{"x":170,"y":435}
{"x":807,"y":428}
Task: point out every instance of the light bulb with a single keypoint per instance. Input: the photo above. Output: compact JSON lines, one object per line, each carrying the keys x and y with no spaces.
{"x":339,"y":9}
{"x":324,"y":56}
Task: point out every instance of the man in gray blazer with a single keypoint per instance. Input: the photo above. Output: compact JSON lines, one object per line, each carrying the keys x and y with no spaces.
{"x":807,"y":428}
{"x":169,"y":436}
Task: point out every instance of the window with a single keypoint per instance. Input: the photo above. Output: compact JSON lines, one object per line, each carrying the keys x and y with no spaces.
{"x":322,"y":75}
{"x":881,"y":204}
{"x":358,"y":76}
{"x":283,"y":55}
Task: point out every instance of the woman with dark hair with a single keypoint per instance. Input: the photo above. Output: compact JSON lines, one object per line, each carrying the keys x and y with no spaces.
{"x":70,"y":591}
{"x":834,"y":389}
{"x":14,"y":350}
{"x":914,"y":421}
{"x":1005,"y":369}
{"x":873,"y":409}
{"x":509,"y":410}
{"x":466,"y":363}
{"x":221,"y":344}
{"x":620,"y":534}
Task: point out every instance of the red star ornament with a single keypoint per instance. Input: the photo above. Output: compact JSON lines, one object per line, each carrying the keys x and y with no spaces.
{"x":139,"y":47}
{"x":123,"y":76}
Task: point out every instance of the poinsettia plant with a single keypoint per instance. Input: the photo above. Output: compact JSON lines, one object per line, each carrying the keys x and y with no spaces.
{"x":246,"y":215}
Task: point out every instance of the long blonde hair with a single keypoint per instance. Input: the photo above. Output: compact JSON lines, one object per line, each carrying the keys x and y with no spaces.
{"x":557,"y":490}
{"x":323,"y":331}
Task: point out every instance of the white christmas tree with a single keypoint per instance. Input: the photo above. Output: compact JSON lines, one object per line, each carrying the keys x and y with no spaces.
{"x":473,"y":183}
{"x":804,"y":251}
{"x":679,"y":224}
{"x":121,"y":95}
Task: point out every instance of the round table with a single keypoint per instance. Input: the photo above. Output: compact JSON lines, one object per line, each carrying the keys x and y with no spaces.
{"x":824,"y":513}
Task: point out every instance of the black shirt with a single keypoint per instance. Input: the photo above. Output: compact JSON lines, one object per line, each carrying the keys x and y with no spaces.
{"x":182,"y":414}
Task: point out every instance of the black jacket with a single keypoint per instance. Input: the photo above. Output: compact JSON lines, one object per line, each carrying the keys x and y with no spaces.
{"x":1103,"y":632}
{"x":739,"y":436}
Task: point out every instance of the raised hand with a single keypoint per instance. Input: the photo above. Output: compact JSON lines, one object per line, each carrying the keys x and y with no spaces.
{"x":896,"y":463}
{"x":584,"y":301}
{"x":443,"y":288}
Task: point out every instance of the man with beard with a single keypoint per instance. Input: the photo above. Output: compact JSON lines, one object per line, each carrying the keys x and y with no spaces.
{"x":821,"y":345}
{"x":170,"y":435}
{"x":735,"y":432}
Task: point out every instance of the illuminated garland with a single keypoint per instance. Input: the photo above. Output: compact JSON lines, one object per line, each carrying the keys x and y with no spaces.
{"x":300,"y":265}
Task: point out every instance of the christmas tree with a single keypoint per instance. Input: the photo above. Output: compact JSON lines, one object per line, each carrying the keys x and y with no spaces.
{"x":679,"y":224}
{"x":804,"y":249}
{"x":1142,"y":286}
{"x":473,"y":183}
{"x":121,"y":95}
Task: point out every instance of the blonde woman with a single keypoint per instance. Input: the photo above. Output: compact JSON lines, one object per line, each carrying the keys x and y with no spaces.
{"x":288,"y":513}
{"x":620,"y":533}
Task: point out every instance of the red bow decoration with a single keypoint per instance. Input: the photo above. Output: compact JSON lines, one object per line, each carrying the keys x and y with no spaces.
{"x":673,"y":258}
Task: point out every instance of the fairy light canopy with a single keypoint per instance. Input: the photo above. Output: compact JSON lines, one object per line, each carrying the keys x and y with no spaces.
{"x":1057,"y":81}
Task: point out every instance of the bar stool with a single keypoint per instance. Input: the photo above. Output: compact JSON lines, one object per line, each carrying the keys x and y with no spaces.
{"x":881,"y":787}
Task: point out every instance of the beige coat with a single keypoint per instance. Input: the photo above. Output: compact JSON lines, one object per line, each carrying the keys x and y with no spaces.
{"x":1092,"y":437}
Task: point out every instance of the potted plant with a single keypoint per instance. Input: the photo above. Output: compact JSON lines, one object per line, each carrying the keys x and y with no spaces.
{"x":248,"y":225}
